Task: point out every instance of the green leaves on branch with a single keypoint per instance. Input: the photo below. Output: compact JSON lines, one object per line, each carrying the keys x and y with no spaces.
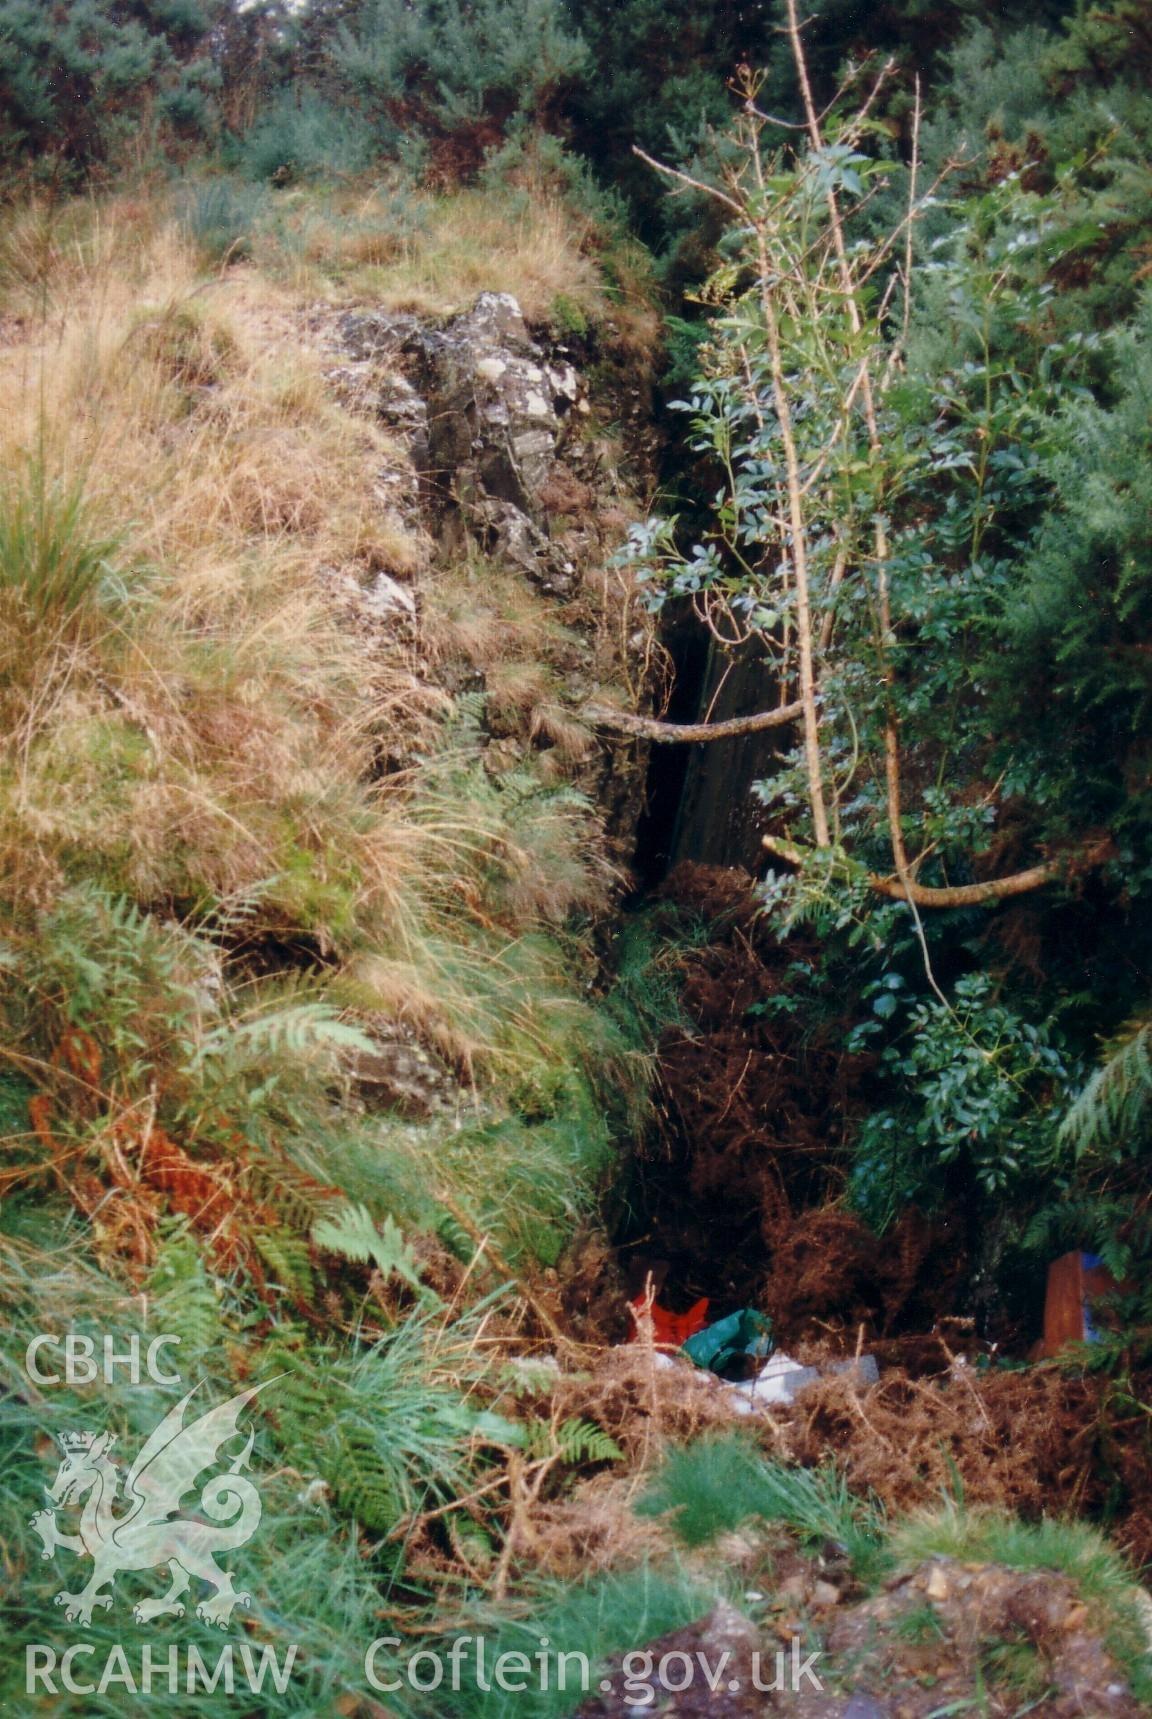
{"x":983,"y":1088}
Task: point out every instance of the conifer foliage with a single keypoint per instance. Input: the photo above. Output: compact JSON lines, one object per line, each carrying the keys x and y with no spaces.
{"x":83,"y":80}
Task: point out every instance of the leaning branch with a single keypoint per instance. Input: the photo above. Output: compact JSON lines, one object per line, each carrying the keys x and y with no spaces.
{"x":964,"y":894}
{"x":967,"y":894}
{"x":688,"y":733}
{"x":690,"y":184}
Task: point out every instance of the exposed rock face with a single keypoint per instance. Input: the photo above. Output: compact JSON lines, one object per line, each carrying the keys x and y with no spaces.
{"x":501,"y":502}
{"x":497,"y":452}
{"x":481,"y":409}
{"x":401,"y":1075}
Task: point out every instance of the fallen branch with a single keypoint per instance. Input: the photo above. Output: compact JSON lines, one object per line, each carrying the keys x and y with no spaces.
{"x":968,"y":894}
{"x":689,"y":733}
{"x":964,"y":894}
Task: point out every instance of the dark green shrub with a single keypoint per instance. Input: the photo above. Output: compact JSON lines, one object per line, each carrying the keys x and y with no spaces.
{"x":457,"y":72}
{"x":81,"y":78}
{"x":301,"y":135}
{"x":220,"y":217}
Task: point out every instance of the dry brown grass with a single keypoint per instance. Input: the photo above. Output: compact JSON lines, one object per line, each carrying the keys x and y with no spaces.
{"x":210,"y":743}
{"x":203,"y":437}
{"x":218,"y":738}
{"x":442,"y":254}
{"x":492,"y":624}
{"x":483,"y":617}
{"x":49,"y":250}
{"x":568,"y":740}
{"x":1037,"y":1442}
{"x":595,"y":1528}
{"x":644,"y":1404}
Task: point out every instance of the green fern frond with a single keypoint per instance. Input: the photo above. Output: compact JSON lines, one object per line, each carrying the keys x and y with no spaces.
{"x":226,"y":917}
{"x":291,"y":1031}
{"x":1081,"y":1220}
{"x":376,"y":1425}
{"x":296,"y":1195}
{"x":184,"y":1299}
{"x":1114,"y":1111}
{"x":584,"y":1441}
{"x":575,"y":1441}
{"x":354,"y":1235}
{"x":455,"y":1237}
{"x":288,"y":1259}
{"x":364,"y":1485}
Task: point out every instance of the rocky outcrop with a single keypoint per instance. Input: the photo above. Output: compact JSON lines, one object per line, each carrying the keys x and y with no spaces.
{"x":481,"y":409}
{"x":498,"y":452}
{"x":399,"y":1074}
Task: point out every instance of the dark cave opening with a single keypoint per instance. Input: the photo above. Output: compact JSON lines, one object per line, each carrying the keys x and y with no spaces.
{"x":658,"y":827}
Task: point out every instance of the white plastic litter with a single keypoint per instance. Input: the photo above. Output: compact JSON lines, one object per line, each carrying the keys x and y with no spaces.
{"x":781,"y":1377}
{"x":865,"y":1369}
{"x":777,"y":1382}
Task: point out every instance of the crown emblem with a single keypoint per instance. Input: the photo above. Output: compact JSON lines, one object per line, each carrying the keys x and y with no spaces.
{"x":77,"y":1440}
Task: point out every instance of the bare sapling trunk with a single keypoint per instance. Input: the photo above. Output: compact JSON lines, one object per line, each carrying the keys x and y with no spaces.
{"x":798,"y":558}
{"x":792,"y":288}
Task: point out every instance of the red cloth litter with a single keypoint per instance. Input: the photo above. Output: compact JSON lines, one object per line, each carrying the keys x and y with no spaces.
{"x":669,"y":1330}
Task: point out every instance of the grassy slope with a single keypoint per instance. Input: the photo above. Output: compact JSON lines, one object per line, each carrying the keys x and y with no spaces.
{"x":188,"y":793}
{"x":187,"y":798}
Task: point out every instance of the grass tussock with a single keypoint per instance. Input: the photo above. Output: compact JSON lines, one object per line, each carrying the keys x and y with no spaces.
{"x":431,"y":256}
{"x":196,"y":847}
{"x":486,"y":624}
{"x":717,"y":1484}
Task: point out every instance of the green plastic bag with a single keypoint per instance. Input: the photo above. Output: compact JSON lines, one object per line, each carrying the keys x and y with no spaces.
{"x":718,"y":1346}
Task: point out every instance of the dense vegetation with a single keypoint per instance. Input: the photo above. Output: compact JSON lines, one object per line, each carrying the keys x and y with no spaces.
{"x":947,"y":417}
{"x":902,"y":268}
